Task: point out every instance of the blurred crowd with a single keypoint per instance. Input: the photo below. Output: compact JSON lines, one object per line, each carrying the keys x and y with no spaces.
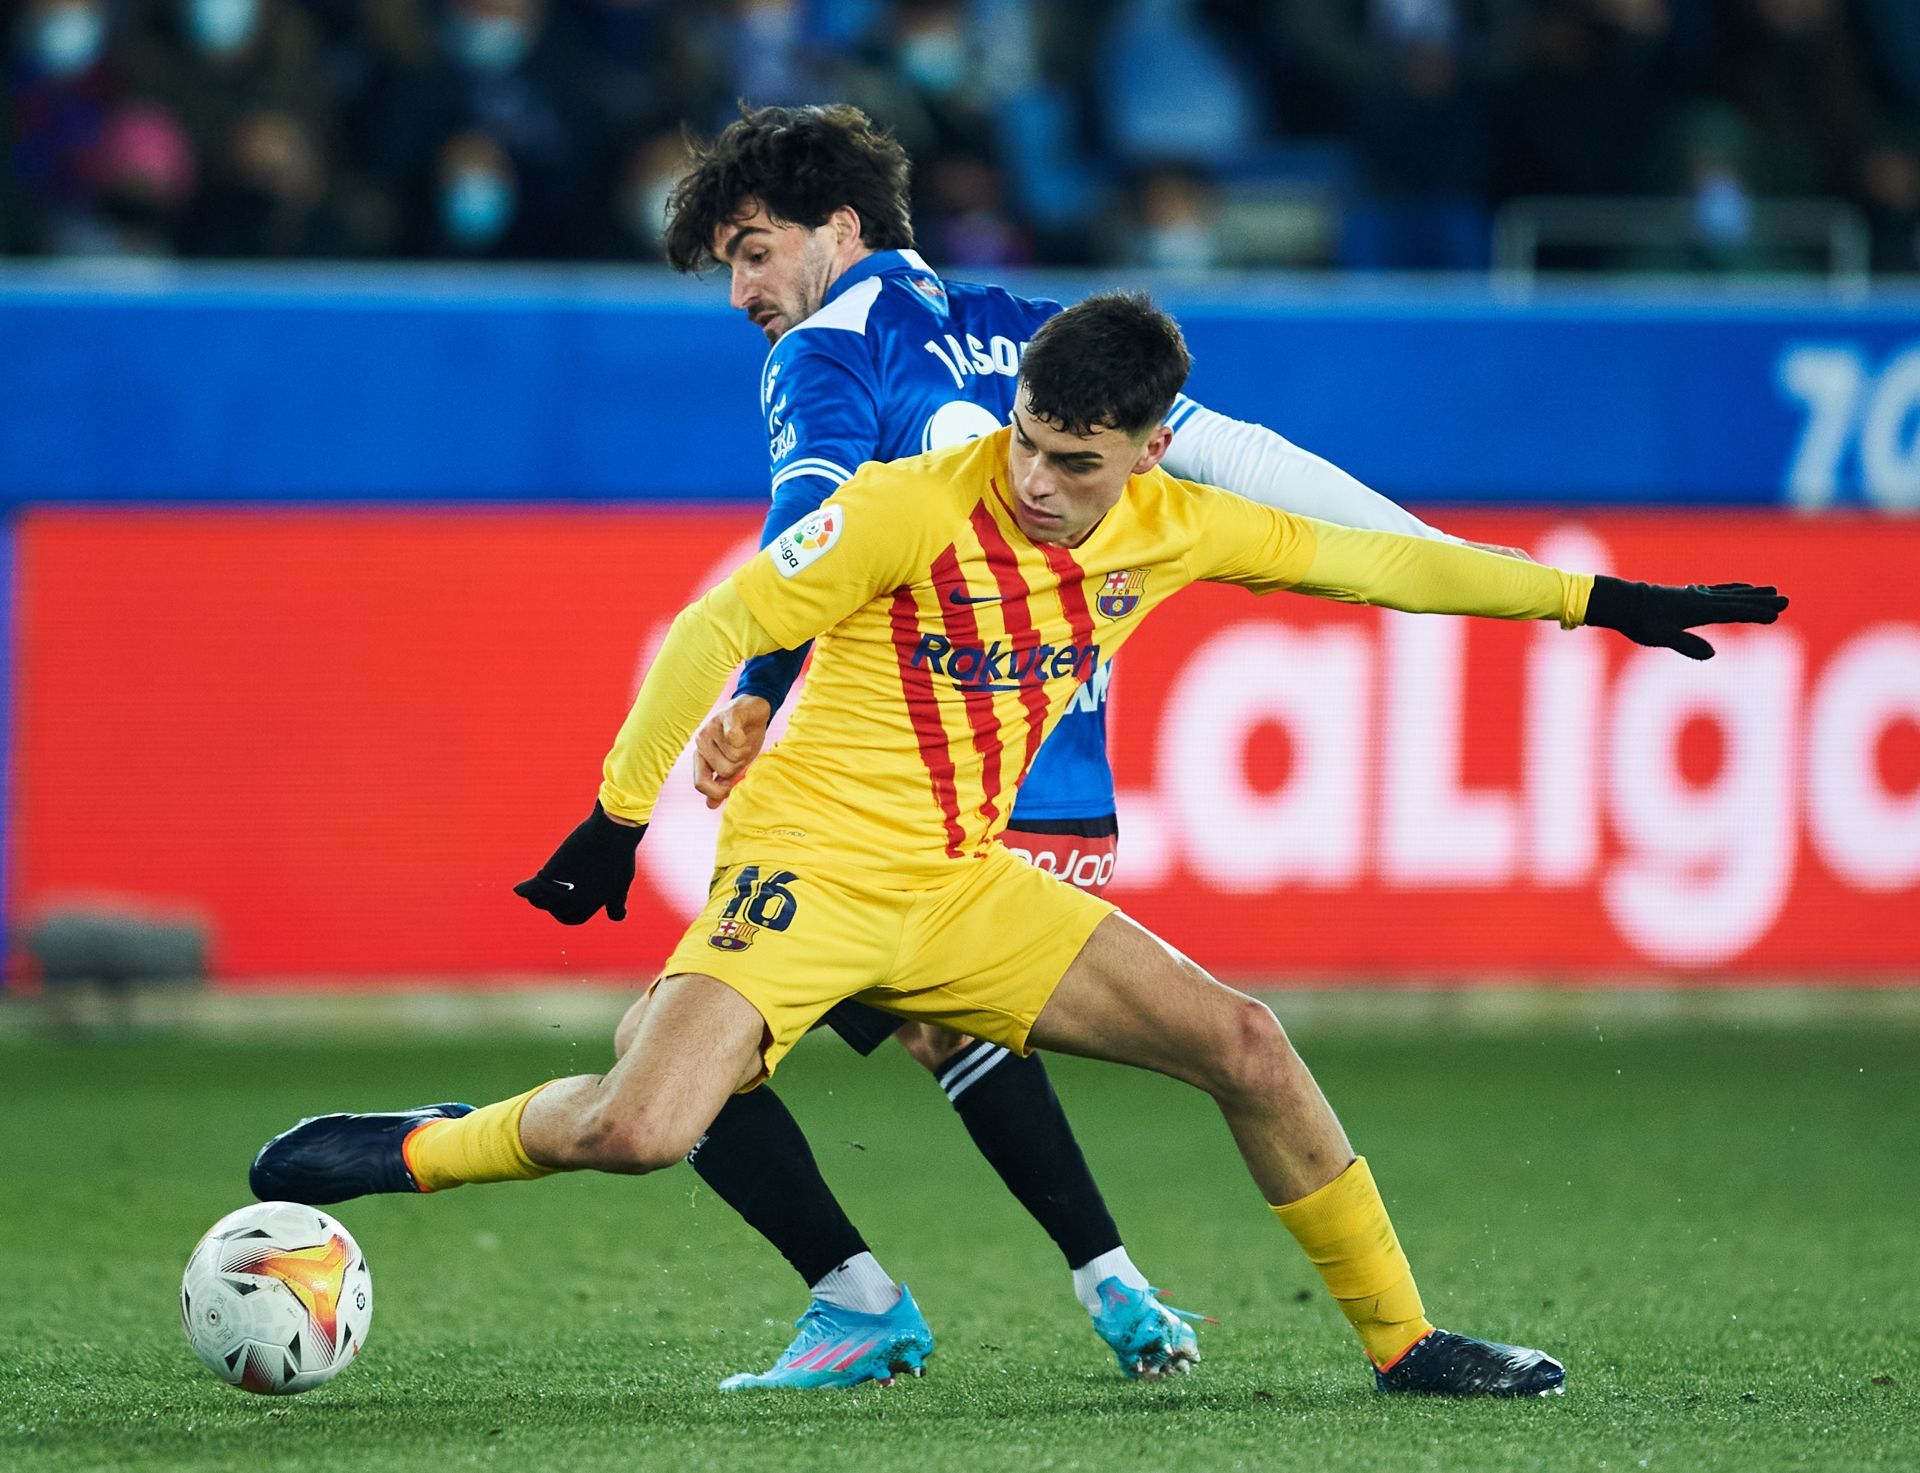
{"x":1177,"y":133}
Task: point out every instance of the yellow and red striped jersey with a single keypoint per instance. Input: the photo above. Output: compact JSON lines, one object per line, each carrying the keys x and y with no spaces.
{"x":949,"y":644}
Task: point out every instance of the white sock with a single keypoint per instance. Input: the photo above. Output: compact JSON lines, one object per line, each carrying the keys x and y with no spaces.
{"x":1113,"y":1264}
{"x":859,"y":1284}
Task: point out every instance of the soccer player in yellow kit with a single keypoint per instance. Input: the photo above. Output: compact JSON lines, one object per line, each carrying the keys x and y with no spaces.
{"x":958,"y":600}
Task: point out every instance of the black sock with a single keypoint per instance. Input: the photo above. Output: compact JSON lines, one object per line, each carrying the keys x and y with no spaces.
{"x":1009,"y":1108}
{"x":756,"y":1159}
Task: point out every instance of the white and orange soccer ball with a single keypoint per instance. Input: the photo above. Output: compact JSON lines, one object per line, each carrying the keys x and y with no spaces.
{"x":276,"y":1298}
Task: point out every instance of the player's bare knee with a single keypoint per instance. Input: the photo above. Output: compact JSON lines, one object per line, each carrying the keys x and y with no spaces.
{"x":931,"y":1046}
{"x":1258,"y":1058}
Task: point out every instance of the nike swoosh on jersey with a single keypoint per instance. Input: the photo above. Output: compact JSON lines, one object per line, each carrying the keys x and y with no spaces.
{"x":961,"y":596}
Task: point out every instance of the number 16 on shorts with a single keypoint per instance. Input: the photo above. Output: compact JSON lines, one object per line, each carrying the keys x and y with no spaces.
{"x":760,"y":902}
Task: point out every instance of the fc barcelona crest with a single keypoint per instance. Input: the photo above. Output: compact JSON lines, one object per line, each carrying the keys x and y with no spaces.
{"x":1120,"y":593}
{"x":733,"y":936}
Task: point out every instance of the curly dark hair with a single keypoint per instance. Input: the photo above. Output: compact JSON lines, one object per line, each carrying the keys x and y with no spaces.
{"x":802,"y":164}
{"x":1113,"y":361}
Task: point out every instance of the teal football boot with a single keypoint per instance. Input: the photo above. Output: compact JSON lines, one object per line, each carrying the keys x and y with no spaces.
{"x":1150,"y":1340}
{"x":843,"y":1347}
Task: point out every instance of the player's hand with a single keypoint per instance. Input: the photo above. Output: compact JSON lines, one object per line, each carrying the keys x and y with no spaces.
{"x":1498,"y":551}
{"x":725,"y":747}
{"x":1657,"y":615}
{"x":592,"y":867}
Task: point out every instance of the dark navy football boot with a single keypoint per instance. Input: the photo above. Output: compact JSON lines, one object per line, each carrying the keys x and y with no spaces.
{"x":333,"y":1158}
{"x":1441,"y":1363}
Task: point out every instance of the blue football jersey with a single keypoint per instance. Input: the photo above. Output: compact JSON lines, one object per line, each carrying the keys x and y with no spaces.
{"x":895,"y":363}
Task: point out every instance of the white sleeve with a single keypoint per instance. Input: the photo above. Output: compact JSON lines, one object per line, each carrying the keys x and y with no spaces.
{"x":1252,"y":461}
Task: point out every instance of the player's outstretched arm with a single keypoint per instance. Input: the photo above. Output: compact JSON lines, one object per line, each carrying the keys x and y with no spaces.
{"x":593,"y":867}
{"x":1264,"y":466}
{"x":810,"y":577}
{"x":1263,"y":549}
{"x":1432,"y":577}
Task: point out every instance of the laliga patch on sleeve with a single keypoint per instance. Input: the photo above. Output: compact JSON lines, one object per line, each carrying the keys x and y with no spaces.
{"x":807,"y":539}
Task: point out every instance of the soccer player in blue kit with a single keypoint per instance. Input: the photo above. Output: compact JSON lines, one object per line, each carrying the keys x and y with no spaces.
{"x":874,"y":357}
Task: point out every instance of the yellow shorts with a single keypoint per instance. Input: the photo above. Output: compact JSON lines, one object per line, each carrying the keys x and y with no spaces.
{"x":980,"y":952}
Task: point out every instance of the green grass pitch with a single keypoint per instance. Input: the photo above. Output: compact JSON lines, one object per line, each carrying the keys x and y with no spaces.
{"x":1713,"y":1222}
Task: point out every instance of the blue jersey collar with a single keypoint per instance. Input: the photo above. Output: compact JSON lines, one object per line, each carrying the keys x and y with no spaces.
{"x":880,"y":263}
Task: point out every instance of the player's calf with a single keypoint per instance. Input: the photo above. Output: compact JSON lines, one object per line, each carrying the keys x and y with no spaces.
{"x":626,"y":1142}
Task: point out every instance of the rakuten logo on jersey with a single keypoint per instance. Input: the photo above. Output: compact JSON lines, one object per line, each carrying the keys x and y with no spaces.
{"x":1765,"y":802}
{"x":999,"y":666}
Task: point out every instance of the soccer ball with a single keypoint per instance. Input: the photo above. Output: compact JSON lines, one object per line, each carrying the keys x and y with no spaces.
{"x":276,"y":1298}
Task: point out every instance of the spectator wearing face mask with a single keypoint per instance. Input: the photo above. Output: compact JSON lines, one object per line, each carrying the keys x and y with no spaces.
{"x":1175,"y":222}
{"x":637,"y":201}
{"x":213,"y":63}
{"x":58,"y":40}
{"x":498,"y":71}
{"x":919,"y":68}
{"x":61,"y":89}
{"x":474,"y":207}
{"x":1713,"y":159}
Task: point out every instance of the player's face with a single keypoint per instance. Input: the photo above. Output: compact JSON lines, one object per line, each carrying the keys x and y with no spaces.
{"x":781,"y":271}
{"x":1064,"y":483}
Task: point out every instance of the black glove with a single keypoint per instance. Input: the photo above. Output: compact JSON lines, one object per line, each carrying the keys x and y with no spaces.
{"x":1658,"y":615}
{"x":592,"y":867}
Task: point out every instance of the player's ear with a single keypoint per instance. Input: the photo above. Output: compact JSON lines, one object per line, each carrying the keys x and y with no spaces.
{"x":846,"y":224}
{"x":1151,"y":452}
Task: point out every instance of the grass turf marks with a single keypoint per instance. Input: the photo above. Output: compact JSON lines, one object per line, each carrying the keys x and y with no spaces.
{"x":1711,"y":1224}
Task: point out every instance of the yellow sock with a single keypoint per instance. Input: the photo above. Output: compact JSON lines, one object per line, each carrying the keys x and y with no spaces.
{"x":1345,"y":1231}
{"x":483,"y":1146}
